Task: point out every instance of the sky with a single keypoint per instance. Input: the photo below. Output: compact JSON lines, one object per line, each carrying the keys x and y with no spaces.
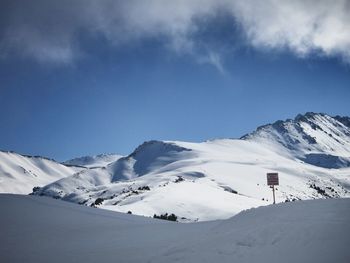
{"x":86,"y":77}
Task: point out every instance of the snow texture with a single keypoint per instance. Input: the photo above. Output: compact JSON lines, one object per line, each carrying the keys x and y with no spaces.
{"x":94,"y":161}
{"x":19,"y":173}
{"x":39,"y":229}
{"x":218,"y":179}
{"x":199,"y":181}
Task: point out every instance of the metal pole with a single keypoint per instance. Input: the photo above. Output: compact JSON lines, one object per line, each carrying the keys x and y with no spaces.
{"x":273,"y":190}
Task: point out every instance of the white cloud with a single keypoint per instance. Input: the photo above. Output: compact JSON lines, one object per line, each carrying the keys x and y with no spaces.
{"x":214,"y":59}
{"x":31,"y":43}
{"x":48,"y":30}
{"x":304,"y":27}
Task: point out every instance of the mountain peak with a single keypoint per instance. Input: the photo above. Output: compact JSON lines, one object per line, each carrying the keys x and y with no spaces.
{"x":309,"y":134}
{"x":216,"y":179}
{"x":191,"y":180}
{"x":309,"y":116}
{"x":155,"y":145}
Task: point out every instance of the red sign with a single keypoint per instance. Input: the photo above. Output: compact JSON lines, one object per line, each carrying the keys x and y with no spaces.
{"x":272,"y":178}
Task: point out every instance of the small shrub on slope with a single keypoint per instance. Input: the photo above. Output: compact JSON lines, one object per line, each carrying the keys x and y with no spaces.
{"x":171,"y":217}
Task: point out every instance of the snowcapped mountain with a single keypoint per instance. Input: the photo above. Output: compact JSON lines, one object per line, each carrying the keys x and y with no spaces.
{"x":317,"y":139}
{"x":94,"y":161}
{"x":219,"y":178}
{"x":20,"y":173}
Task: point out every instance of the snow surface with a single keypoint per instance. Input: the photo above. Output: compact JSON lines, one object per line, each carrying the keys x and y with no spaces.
{"x":19,"y":173}
{"x":39,"y":229}
{"x":94,"y":161}
{"x":309,"y":134}
{"x":199,"y":181}
{"x":218,"y":179}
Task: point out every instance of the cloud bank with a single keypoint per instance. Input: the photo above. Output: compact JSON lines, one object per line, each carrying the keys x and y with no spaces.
{"x":48,"y":31}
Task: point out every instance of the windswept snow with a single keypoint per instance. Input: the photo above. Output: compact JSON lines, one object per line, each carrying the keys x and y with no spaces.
{"x":56,"y":231}
{"x":217,"y":179}
{"x":19,"y":174}
{"x":94,"y":161}
{"x":313,"y":134}
{"x":208,"y":180}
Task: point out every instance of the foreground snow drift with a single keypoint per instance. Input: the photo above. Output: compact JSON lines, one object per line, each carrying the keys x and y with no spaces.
{"x":38,"y":229}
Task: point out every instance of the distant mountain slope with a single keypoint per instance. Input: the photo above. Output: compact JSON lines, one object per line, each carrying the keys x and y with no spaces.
{"x":303,"y":232}
{"x":315,"y":138}
{"x":217,"y":179}
{"x":19,"y":173}
{"x":94,"y":161}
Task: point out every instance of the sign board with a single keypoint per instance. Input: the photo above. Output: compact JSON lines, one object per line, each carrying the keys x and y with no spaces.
{"x":272,"y":178}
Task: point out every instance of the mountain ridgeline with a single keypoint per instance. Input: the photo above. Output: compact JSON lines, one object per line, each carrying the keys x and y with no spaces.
{"x":317,"y":139}
{"x":214,"y":179}
{"x":219,"y":178}
{"x":20,"y":173}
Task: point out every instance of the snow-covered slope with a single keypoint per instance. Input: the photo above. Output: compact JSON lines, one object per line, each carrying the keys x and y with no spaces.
{"x":217,"y":179}
{"x":94,"y":161}
{"x":317,"y":139}
{"x":55,"y":231}
{"x":19,"y":173}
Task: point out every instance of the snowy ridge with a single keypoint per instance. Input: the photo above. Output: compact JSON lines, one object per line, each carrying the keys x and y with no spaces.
{"x":303,"y":232}
{"x":20,"y":173}
{"x":148,"y":157}
{"x":217,"y":179}
{"x":317,"y":139}
{"x":94,"y":161}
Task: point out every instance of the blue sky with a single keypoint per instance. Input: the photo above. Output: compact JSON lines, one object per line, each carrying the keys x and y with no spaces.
{"x":67,"y":90}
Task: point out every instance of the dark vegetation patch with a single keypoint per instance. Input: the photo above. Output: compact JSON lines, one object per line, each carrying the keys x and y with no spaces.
{"x":98,"y":201}
{"x":171,"y":217}
{"x":35,"y":189}
{"x":320,"y":190}
{"x":179,"y":179}
{"x":144,"y":188}
{"x":292,"y":199}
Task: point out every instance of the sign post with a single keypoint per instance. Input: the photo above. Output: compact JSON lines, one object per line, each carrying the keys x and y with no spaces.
{"x":272,"y":180}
